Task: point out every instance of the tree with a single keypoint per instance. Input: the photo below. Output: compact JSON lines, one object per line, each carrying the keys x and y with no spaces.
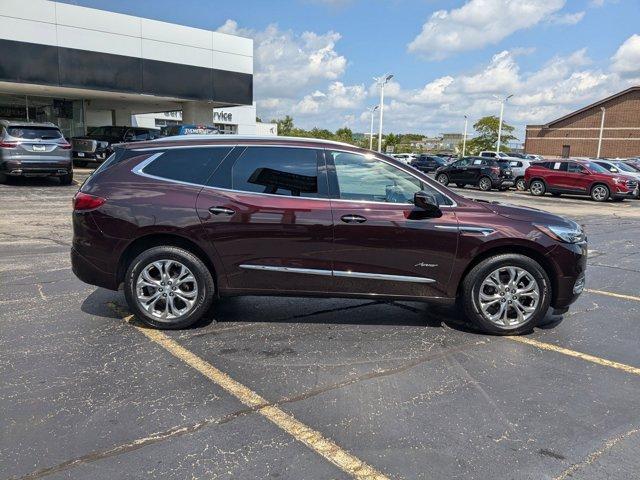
{"x":487,"y":128}
{"x":285,"y":125}
{"x":345,"y":135}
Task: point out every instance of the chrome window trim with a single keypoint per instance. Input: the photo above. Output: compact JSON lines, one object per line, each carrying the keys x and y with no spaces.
{"x":338,"y":273}
{"x":138,"y":170}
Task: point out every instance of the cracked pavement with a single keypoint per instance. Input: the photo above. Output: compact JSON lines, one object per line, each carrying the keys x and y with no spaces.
{"x":406,"y":387}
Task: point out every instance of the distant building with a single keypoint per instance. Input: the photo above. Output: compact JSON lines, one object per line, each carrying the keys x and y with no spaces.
{"x":450,"y":141}
{"x":577,"y":134}
{"x":446,"y":141}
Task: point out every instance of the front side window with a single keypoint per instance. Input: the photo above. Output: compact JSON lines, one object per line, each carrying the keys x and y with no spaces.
{"x":365,"y":178}
{"x":190,"y":165}
{"x":277,"y":171}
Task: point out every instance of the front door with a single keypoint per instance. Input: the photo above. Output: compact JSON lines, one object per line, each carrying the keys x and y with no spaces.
{"x":268,"y":217}
{"x":383,"y":244}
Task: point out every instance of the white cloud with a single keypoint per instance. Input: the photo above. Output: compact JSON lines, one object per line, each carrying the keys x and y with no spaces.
{"x":626,"y":60}
{"x":479,"y":23}
{"x":567,"y":18}
{"x":286,"y":63}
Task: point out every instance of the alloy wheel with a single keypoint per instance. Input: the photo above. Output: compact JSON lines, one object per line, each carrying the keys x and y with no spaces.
{"x":166,"y":289}
{"x":485,"y":184}
{"x":537,"y":188}
{"x":600,"y":193}
{"x":508,"y":297}
{"x":521,"y":184}
{"x":443,"y":179}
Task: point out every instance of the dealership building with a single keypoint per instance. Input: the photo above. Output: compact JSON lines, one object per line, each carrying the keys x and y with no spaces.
{"x":610,"y":126}
{"x":80,"y":67}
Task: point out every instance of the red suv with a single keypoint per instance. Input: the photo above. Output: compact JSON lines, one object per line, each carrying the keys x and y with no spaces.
{"x":578,"y":177}
{"x":182,"y":220}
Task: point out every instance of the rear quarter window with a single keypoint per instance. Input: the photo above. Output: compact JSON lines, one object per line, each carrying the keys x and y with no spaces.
{"x":190,"y":165}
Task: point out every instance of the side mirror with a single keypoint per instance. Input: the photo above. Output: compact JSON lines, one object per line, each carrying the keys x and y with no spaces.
{"x":614,"y":170}
{"x":428,"y":203}
{"x":585,"y":172}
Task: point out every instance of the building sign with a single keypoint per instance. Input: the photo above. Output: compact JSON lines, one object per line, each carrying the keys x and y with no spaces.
{"x":222,"y":117}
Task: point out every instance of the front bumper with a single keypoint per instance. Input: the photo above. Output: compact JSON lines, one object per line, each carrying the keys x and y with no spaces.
{"x":571,"y":263}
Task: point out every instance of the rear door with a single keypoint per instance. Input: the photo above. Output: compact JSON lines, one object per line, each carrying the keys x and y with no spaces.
{"x":384,"y":245}
{"x":267,"y":213}
{"x":557,"y":178}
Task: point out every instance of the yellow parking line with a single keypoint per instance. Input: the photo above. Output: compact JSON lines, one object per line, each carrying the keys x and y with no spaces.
{"x":611,"y":294}
{"x":580,"y":355}
{"x":298,"y":430}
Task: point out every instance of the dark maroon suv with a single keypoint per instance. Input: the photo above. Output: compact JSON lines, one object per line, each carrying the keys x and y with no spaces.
{"x":180,"y":221}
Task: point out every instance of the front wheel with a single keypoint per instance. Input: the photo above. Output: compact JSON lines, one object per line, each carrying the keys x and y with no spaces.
{"x":168,"y":287}
{"x":484,"y":184}
{"x":506,"y":294}
{"x":521,"y":185}
{"x":443,"y":179}
{"x":600,"y":193}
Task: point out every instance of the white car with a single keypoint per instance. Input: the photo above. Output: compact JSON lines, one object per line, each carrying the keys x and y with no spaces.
{"x":518,"y":166}
{"x":502,"y":155}
{"x":620,"y":168}
{"x":404,"y":157}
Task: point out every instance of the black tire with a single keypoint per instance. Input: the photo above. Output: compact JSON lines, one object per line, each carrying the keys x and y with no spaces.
{"x":203,"y":279}
{"x":461,"y":185}
{"x":521,"y":184}
{"x":537,"y":188}
{"x":443,"y":179}
{"x":470,"y":290}
{"x":600,"y":192}
{"x":66,"y":179}
{"x":485,"y":184}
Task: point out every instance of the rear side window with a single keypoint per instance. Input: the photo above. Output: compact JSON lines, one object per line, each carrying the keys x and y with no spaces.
{"x":190,"y":165}
{"x":34,"y":133}
{"x":277,"y":171}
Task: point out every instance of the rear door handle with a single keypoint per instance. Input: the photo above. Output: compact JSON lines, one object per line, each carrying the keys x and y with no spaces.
{"x":221,"y":211}
{"x":353,"y":219}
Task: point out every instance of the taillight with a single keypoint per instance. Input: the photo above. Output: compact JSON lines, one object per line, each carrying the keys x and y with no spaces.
{"x":65,"y":146}
{"x":84,"y":201}
{"x":496,"y":170}
{"x":5,"y":144}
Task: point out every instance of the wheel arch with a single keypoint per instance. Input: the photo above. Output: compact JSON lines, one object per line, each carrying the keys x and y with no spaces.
{"x":151,"y":240}
{"x":521,"y":249}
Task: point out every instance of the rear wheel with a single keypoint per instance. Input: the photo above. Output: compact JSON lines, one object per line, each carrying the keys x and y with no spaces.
{"x":506,"y":294}
{"x":484,"y":184}
{"x":521,"y":185}
{"x":537,"y":188}
{"x":443,"y":179}
{"x":168,"y":287}
{"x":600,"y":193}
{"x":66,"y":179}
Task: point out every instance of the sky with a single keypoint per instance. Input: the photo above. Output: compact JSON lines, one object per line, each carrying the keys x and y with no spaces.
{"x":315,"y":59}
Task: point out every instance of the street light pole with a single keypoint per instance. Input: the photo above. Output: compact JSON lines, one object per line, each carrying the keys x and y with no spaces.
{"x":604,"y":111}
{"x":372,"y":110}
{"x":464,"y":137}
{"x":382,"y":81}
{"x":502,"y":102}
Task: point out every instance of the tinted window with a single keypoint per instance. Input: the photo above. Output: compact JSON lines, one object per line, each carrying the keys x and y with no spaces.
{"x":191,"y":165}
{"x":595,"y":167}
{"x":574,"y":168}
{"x":34,"y":133}
{"x":369,"y":179}
{"x":462,"y":162}
{"x":277,"y":171}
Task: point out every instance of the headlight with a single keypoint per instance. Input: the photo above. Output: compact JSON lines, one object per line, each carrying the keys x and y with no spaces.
{"x":573,"y":234}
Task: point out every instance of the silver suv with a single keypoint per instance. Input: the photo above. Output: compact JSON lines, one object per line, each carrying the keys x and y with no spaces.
{"x":34,"y":150}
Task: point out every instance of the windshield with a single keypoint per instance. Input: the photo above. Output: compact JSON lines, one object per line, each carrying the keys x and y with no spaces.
{"x":594,"y":167}
{"x":115,"y":132}
{"x":34,"y":133}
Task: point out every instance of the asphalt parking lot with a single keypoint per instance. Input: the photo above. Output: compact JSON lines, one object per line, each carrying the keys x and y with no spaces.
{"x":307,"y":389}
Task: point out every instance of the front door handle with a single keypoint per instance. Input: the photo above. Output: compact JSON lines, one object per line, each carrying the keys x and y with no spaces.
{"x":353,"y":219}
{"x":221,"y":211}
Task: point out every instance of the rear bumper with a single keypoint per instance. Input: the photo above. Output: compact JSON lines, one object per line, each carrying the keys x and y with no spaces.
{"x":19,"y":168}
